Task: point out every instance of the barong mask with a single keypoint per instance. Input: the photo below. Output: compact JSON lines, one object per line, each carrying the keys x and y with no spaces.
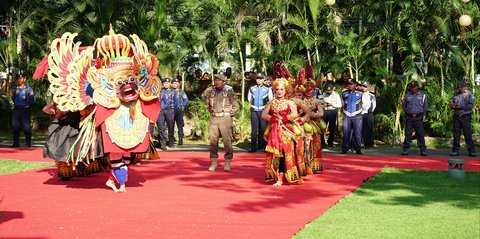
{"x":127,"y":89}
{"x":78,"y":79}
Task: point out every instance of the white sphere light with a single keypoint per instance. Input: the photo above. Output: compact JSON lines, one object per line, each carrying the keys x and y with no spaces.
{"x":337,"y":20}
{"x":465,"y":20}
{"x":330,"y":2}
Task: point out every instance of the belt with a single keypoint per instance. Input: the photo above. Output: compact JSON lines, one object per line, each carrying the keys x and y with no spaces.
{"x":221,"y":114}
{"x":330,"y":108}
{"x":254,"y":108}
{"x":464,"y":115}
{"x":415,"y":115}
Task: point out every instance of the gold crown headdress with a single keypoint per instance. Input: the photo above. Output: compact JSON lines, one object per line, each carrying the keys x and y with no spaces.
{"x":115,"y":50}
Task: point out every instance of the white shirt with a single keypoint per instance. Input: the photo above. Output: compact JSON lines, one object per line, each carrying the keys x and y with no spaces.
{"x":367,"y":101}
{"x":333,"y":99}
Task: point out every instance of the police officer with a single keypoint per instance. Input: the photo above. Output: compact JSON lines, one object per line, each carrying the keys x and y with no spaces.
{"x":462,"y":104}
{"x":222,"y":105}
{"x":331,"y":104}
{"x":367,"y":115}
{"x":352,"y":119}
{"x":415,"y":105}
{"x":23,"y":97}
{"x":166,"y":114}
{"x":258,"y":96}
{"x":180,"y":100}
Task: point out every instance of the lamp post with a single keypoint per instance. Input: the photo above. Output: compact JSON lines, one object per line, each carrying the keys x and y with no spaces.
{"x":465,"y":21}
{"x":330,"y":2}
{"x":337,"y":20}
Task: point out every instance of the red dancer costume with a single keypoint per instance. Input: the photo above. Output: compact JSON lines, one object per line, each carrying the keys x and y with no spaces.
{"x":280,"y":151}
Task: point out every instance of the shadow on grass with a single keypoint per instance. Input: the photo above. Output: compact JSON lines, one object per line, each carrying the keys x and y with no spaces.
{"x":422,"y":188}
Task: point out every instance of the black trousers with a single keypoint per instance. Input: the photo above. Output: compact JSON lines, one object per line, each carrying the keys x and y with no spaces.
{"x":414,"y":123}
{"x":462,"y":123}
{"x":178,"y":118}
{"x":170,"y":119}
{"x":352,"y":129}
{"x":330,"y":118}
{"x":258,"y":127}
{"x":161,"y":126}
{"x":367,"y":130}
{"x":165,"y":116}
{"x":21,"y":120}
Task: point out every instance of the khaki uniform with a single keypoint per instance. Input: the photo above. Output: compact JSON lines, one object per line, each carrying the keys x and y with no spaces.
{"x":223,"y":106}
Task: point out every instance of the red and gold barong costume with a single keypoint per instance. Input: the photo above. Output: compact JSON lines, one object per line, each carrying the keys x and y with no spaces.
{"x":117,"y":79}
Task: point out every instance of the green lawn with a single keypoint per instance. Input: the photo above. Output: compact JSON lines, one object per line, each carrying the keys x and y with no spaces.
{"x":404,"y":204}
{"x":14,"y":166}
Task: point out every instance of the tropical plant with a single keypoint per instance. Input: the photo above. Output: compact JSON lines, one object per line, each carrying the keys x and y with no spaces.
{"x":355,"y":50}
{"x":197,"y":111}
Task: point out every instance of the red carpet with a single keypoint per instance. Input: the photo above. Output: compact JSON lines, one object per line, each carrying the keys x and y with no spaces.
{"x":176,"y":197}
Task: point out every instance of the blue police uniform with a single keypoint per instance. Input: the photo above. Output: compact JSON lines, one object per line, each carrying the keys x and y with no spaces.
{"x":258,"y":96}
{"x":352,"y":120}
{"x":23,"y":98}
{"x":462,"y":121}
{"x":415,"y":107}
{"x":166,"y":115}
{"x":180,"y":101}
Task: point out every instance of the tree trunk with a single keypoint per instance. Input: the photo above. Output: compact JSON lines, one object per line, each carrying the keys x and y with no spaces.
{"x":309,"y":58}
{"x":242,"y":114}
{"x":472,"y":69}
{"x":442,"y":80}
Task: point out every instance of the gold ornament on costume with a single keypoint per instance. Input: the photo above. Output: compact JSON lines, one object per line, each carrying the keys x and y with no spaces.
{"x":280,"y":82}
{"x":127,"y":127}
{"x":115,"y":49}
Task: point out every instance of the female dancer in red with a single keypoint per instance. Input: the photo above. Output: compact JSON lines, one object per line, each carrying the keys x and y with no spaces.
{"x":280,"y":151}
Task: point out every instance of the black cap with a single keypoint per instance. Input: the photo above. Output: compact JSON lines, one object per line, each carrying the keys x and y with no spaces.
{"x":175,"y":80}
{"x":460,"y":84}
{"x":166,"y":79}
{"x":330,"y":87}
{"x":19,"y":75}
{"x":351,"y":81}
{"x":363,"y":83}
{"x":260,"y":76}
{"x":414,"y":83}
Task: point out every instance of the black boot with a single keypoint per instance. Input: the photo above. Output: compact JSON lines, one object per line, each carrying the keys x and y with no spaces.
{"x":163,"y":145}
{"x":28,"y":142}
{"x":170,"y":143}
{"x":180,"y":141}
